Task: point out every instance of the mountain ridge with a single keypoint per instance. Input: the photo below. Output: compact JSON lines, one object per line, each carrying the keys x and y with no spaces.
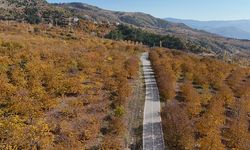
{"x":239,"y":29}
{"x":141,"y":19}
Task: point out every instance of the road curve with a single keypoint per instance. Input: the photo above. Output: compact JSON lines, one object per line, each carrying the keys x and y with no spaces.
{"x":152,"y":127}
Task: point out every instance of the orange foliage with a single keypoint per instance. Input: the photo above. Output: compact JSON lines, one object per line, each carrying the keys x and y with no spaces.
{"x":210,"y":94}
{"x":57,"y":87}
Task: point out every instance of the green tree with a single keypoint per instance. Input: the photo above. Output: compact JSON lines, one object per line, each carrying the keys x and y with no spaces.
{"x":32,"y":15}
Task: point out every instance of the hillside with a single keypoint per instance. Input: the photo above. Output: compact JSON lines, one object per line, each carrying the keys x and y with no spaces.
{"x":81,"y":86}
{"x":99,"y":15}
{"x":60,"y":14}
{"x":238,"y":29}
{"x":33,"y":11}
{"x":201,"y":40}
{"x":16,"y":9}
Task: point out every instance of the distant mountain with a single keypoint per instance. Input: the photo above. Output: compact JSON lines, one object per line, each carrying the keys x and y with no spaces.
{"x":239,"y":29}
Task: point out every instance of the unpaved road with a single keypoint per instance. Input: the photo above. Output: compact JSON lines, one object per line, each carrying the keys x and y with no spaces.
{"x":134,"y":111}
{"x":152,"y":127}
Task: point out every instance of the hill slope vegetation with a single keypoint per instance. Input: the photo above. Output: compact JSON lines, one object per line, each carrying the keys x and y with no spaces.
{"x":60,"y":13}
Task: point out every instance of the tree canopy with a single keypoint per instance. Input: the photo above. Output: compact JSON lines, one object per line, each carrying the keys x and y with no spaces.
{"x":124,"y":32}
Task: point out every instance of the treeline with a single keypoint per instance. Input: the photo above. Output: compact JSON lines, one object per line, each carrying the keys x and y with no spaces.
{"x":124,"y":32}
{"x":206,"y":101}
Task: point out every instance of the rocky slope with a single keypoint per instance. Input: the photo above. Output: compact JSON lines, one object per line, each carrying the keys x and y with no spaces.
{"x":16,"y":9}
{"x":32,"y":11}
{"x":99,"y":15}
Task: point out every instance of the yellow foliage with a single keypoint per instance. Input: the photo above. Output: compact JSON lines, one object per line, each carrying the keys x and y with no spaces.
{"x":210,"y":92}
{"x":56,"y":91}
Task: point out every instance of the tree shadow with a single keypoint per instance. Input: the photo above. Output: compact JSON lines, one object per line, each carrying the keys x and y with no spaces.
{"x":137,"y":145}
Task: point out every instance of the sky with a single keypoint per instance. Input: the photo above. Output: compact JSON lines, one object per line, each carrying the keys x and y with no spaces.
{"x":182,"y":9}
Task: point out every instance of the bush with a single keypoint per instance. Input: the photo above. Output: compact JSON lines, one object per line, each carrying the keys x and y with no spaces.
{"x":32,"y":15}
{"x":132,"y":66}
{"x":119,"y":111}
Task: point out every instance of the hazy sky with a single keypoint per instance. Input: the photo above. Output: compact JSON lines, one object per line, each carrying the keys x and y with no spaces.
{"x":183,"y":9}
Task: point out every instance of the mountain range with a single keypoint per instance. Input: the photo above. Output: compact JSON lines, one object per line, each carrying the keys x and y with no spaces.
{"x":239,"y":29}
{"x":36,"y":11}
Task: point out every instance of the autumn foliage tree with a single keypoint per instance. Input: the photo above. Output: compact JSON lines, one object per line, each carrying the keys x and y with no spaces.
{"x":132,"y":66}
{"x":209,"y":125}
{"x":181,"y":134}
{"x":192,"y":99}
{"x":209,"y":101}
{"x":58,"y":92}
{"x":165,"y":78}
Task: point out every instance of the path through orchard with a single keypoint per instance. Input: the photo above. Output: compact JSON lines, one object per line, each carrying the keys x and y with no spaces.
{"x":152,"y":126}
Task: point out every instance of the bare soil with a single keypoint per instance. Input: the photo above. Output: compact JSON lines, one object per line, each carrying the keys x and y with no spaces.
{"x":134,"y":115}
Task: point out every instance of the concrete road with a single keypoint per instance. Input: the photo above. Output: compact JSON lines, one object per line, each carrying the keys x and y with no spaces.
{"x":152,"y":127}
